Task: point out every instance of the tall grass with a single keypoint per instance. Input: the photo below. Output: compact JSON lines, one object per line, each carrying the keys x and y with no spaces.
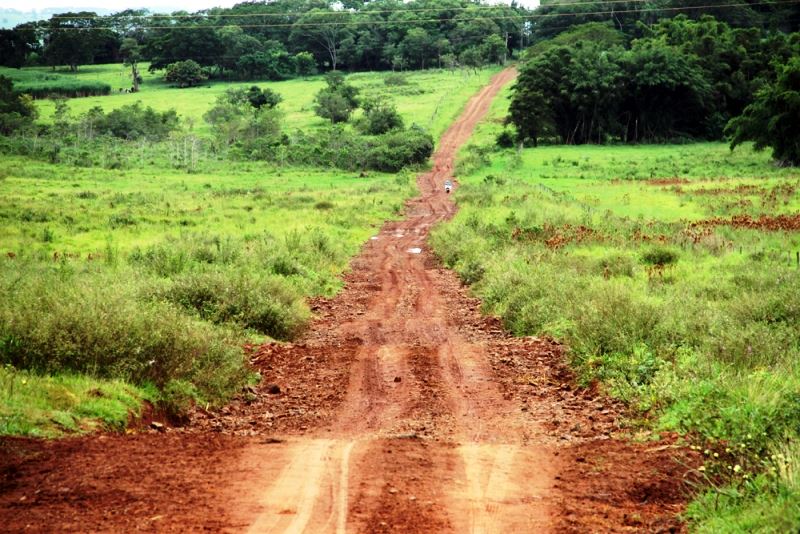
{"x":87,"y":321}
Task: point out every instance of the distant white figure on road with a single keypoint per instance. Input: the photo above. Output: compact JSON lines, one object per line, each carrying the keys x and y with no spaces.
{"x":448,"y":186}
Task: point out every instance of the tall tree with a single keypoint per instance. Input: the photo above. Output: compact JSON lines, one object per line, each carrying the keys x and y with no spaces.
{"x":324,"y":30}
{"x":73,"y":39}
{"x":131,"y":53}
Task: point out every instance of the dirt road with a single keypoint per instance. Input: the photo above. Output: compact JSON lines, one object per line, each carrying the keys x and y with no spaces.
{"x":402,"y":410}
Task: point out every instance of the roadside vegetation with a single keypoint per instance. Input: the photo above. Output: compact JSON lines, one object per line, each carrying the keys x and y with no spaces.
{"x":140,"y":256}
{"x":671,"y":273}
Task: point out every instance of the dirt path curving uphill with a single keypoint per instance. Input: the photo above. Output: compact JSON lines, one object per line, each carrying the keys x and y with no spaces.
{"x":402,"y":410}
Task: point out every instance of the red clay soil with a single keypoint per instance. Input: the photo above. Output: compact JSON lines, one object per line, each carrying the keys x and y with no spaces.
{"x":776,"y":223}
{"x":402,"y":410}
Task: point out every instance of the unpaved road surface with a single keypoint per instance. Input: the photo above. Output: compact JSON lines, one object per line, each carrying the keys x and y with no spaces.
{"x":401,"y":410}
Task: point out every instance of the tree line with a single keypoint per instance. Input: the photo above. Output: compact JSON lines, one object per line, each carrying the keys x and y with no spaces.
{"x":677,"y":79}
{"x":283,"y":38}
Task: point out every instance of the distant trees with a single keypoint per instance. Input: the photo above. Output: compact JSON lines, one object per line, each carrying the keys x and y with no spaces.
{"x":773,"y":119}
{"x":75,"y":39}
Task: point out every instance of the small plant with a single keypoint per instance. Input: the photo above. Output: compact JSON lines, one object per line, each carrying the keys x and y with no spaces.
{"x":395,"y":79}
{"x":660,"y":257}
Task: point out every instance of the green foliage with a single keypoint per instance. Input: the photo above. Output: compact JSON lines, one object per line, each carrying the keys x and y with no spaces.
{"x":660,"y":256}
{"x":583,"y":86}
{"x":184,"y":73}
{"x":266,"y":304}
{"x":395,"y":79}
{"x":336,"y":101}
{"x":305,"y":64}
{"x":39,"y":84}
{"x":706,"y":347}
{"x":773,"y":119}
{"x":132,"y":122}
{"x":47,"y":406}
{"x":395,"y":150}
{"x":16,"y":112}
{"x":381,"y":116}
{"x":73,"y":321}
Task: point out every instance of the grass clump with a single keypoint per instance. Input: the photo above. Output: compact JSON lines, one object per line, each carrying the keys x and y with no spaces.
{"x":32,"y":404}
{"x":267,"y":304}
{"x":90,"y":323}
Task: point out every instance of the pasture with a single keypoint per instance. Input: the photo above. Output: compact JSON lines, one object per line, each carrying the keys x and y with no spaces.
{"x":431,"y":99}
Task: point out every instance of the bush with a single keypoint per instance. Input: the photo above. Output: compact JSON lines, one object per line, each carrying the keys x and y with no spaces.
{"x":660,"y":256}
{"x":381,"y":117}
{"x":395,"y":79}
{"x":92,"y":323}
{"x":132,"y":121}
{"x":505,"y":139}
{"x":266,"y":304}
{"x":185,"y":73}
{"x":393,"y":151}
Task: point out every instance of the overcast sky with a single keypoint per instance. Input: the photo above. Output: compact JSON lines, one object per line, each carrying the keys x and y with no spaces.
{"x":153,"y":5}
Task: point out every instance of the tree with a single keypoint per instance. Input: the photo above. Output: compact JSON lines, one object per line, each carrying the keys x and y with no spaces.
{"x":494,"y":49}
{"x":416,"y":47}
{"x":17,"y":112}
{"x":273,"y":63}
{"x":266,"y":98}
{"x":660,"y":80}
{"x":773,"y":119}
{"x":183,"y":38}
{"x":305,"y":64}
{"x":16,"y":45}
{"x":336,"y":101}
{"x":72,"y":39}
{"x":235,"y":45}
{"x":472,"y":57}
{"x":325,"y":30}
{"x":185,"y":73}
{"x":131,"y":54}
{"x":247,"y":119}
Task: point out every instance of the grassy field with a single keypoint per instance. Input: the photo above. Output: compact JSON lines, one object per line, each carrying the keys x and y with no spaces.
{"x":432,"y":99}
{"x":671,"y":274}
{"x":142,"y":283}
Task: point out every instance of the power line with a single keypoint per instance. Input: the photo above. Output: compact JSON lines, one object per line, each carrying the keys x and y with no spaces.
{"x":212,"y":15}
{"x":532,"y":16}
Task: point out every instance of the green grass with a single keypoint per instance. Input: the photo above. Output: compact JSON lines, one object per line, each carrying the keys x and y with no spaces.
{"x":133,"y":267}
{"x":698,"y":329}
{"x":48,"y":406}
{"x":432,"y":99}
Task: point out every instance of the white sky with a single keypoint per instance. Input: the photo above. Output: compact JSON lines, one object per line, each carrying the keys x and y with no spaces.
{"x":153,"y":5}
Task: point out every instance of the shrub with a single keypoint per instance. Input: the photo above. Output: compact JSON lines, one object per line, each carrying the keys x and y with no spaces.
{"x":92,"y":323}
{"x":336,"y":101}
{"x":381,"y":117}
{"x":505,"y":139}
{"x":395,"y":79}
{"x":393,"y":151}
{"x":660,"y":256}
{"x":267,"y":304}
{"x":185,"y":73}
